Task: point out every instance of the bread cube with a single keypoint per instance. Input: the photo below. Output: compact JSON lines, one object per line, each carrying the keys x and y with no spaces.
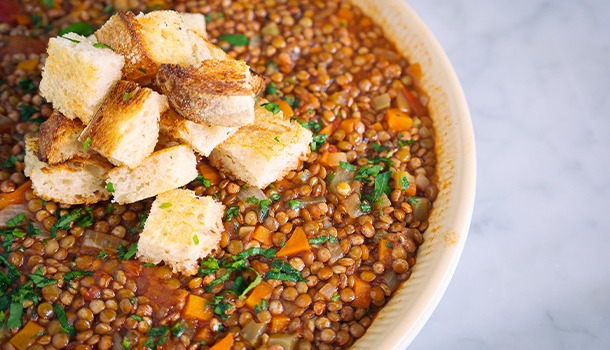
{"x":201,"y":137}
{"x":203,"y":49}
{"x":81,"y":180}
{"x":58,"y":139}
{"x":160,"y":172}
{"x":181,"y":229}
{"x":195,"y":22}
{"x":217,"y":92}
{"x":264,"y":151}
{"x":126,"y":126}
{"x":77,"y":75}
{"x":146,"y":41}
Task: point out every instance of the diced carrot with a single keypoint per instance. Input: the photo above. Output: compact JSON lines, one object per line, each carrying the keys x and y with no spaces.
{"x":225,"y":343}
{"x":28,"y":65}
{"x":209,"y":173}
{"x":377,"y":126}
{"x":279,"y":323}
{"x":416,"y":106}
{"x":327,"y":129}
{"x":415,"y":71}
{"x":398,"y":120}
{"x":262,"y":235}
{"x":15,"y":197}
{"x":23,"y":20}
{"x":203,"y":334}
{"x":297,"y":243}
{"x":332,"y":159}
{"x":27,"y":335}
{"x":196,"y":308}
{"x":348,"y":124}
{"x":286,"y":109}
{"x":398,"y":182}
{"x":345,"y":14}
{"x":260,"y":292}
{"x":384,"y":252}
{"x":362,"y":293}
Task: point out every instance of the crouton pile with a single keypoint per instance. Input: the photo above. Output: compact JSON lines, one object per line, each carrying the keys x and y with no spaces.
{"x":141,"y":79}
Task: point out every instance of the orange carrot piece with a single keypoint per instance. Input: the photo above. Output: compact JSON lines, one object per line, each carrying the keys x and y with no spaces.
{"x":28,"y":65}
{"x":297,"y":243}
{"x":398,"y":120}
{"x":377,"y":126}
{"x":384,"y":252}
{"x":411,"y":189}
{"x":15,"y":197}
{"x":279,"y":323}
{"x":327,"y":129}
{"x":262,"y":235}
{"x":286,"y":109}
{"x":24,"y":20}
{"x":348,"y":124}
{"x":203,"y":334}
{"x":416,"y":106}
{"x":260,"y":292}
{"x":362,"y":293}
{"x":27,"y":335}
{"x":345,"y":14}
{"x":196,"y":308}
{"x":209,"y":173}
{"x":225,"y":343}
{"x":332,"y":159}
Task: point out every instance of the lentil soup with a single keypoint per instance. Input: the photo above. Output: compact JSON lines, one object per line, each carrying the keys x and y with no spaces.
{"x":353,"y":214}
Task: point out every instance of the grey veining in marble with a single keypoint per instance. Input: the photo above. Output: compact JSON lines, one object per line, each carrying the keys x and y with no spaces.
{"x":535,"y":273}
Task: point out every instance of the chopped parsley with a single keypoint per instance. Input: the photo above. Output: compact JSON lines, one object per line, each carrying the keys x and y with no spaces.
{"x":86,"y":218}
{"x":126,"y":253}
{"x":389,"y":245}
{"x":294,"y":103}
{"x":196,"y":239}
{"x":335,"y":297}
{"x":276,"y":197}
{"x":271,"y":89}
{"x":365,"y":207}
{"x":402,"y":143}
{"x":81,"y":219}
{"x":32,"y":231}
{"x":80,"y":28}
{"x":263,"y":306}
{"x":102,"y":255}
{"x":26,"y":112}
{"x":381,"y":185}
{"x":212,"y":16}
{"x":101,"y":46}
{"x":272,"y":107}
{"x":379,"y":148}
{"x":276,"y":139}
{"x":311,"y":125}
{"x":39,"y":280}
{"x":165,"y":205}
{"x":15,"y":220}
{"x":156,"y":336}
{"x":202,"y":180}
{"x":86,"y":143}
{"x":295,"y":204}
{"x":47,"y":3}
{"x":366,"y":171}
{"x":108,"y":8}
{"x":219,"y":306}
{"x":10,"y":162}
{"x":235,"y":39}
{"x":68,"y":277}
{"x":322,"y":239}
{"x":178,"y":329}
{"x":283,"y":271}
{"x":347,"y":166}
{"x":263,"y":207}
{"x":70,"y":39}
{"x":63,"y":320}
{"x":27,"y":85}
{"x":404,"y":183}
{"x":126,"y":96}
{"x":110,"y":187}
{"x":137,"y":317}
{"x":252,"y":200}
{"x":412,"y":200}
{"x":318,"y":141}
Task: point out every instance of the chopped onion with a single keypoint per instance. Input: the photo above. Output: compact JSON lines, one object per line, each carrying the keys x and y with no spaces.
{"x":352,"y":205}
{"x":255,"y":192}
{"x":391,"y":279}
{"x":328,"y":291}
{"x":245,"y":231}
{"x":336,"y":252}
{"x":421,"y":209}
{"x":383,"y":202}
{"x":334,"y":158}
{"x":10,"y":211}
{"x":252,"y":331}
{"x":286,"y":341}
{"x":304,"y":176}
{"x":422,"y":182}
{"x":102,"y":241}
{"x":402,"y":103}
{"x":340,"y":176}
{"x":313,"y":200}
{"x":381,"y":101}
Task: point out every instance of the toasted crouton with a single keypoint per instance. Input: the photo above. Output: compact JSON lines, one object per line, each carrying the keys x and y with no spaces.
{"x":201,"y":137}
{"x":126,"y":127}
{"x":195,"y":22}
{"x":58,"y":139}
{"x":78,"y":181}
{"x":181,"y":229}
{"x":203,"y":49}
{"x":77,"y":75}
{"x":264,"y":151}
{"x":147,"y":41}
{"x":216,"y":92}
{"x":160,"y":172}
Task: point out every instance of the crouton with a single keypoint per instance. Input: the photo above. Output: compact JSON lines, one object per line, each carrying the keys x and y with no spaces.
{"x":203,"y":49}
{"x":201,"y":137}
{"x":160,"y":172}
{"x":77,"y":75}
{"x":181,"y":229}
{"x":126,"y":127}
{"x":147,"y":41}
{"x":195,"y":22}
{"x":58,"y":139}
{"x":216,"y":92}
{"x":264,"y":151}
{"x":80,"y":180}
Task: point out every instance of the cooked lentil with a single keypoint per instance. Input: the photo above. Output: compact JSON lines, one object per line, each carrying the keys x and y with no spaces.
{"x":329,"y":61}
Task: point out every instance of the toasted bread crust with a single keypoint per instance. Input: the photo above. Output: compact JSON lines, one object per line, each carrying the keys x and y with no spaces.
{"x":57,"y":134}
{"x":124,"y":34}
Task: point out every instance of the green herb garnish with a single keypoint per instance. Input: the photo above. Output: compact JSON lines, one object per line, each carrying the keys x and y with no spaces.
{"x":322,"y":239}
{"x":101,"y":46}
{"x":295,"y":204}
{"x":272,"y":107}
{"x":235,"y":39}
{"x":126,"y":253}
{"x":80,"y":28}
{"x":63,"y":320}
{"x":196,"y":239}
{"x":347,"y":166}
{"x":165,"y":205}
{"x":110,"y":187}
{"x":281,"y":270}
{"x":318,"y":141}
{"x":232,"y":212}
{"x":86,"y":143}
{"x":10,"y":162}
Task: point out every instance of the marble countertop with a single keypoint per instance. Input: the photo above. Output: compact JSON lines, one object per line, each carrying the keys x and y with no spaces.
{"x":535,"y":272}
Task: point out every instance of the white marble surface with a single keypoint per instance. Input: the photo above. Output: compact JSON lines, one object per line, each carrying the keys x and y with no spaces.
{"x":535,"y":273}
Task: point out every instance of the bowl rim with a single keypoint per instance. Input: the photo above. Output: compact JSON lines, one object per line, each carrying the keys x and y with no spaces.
{"x":386,"y":333}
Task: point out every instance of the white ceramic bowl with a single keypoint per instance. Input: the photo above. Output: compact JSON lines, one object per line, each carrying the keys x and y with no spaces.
{"x":409,"y":309}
